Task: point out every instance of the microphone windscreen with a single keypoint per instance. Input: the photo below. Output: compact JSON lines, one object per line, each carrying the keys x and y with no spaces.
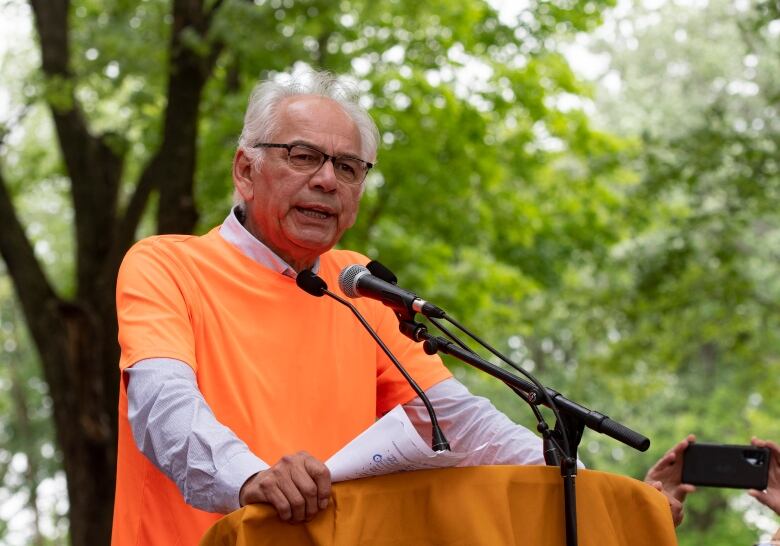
{"x":311,"y":283}
{"x":348,"y":279}
{"x":378,"y":269}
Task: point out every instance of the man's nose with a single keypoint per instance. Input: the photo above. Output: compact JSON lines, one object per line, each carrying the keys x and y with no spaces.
{"x":325,"y":177}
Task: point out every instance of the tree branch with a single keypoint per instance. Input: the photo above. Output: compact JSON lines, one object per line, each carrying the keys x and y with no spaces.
{"x":189,"y":71}
{"x":30,"y":282}
{"x":171,"y":170}
{"x":125,"y":229}
{"x":93,"y":167}
{"x":213,"y":11}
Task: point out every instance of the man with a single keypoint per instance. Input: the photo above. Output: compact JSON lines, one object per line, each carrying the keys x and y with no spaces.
{"x":236,"y":384}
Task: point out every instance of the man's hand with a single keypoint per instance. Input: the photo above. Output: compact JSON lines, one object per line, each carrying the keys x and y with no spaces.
{"x":297,"y":486}
{"x":666,"y":476}
{"x":771,"y":496}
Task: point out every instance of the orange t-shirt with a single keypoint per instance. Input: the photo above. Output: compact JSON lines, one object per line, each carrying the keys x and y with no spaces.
{"x":282,"y":369}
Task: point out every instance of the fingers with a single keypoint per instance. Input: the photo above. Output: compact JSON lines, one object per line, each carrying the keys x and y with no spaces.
{"x":276,"y":497}
{"x":771,"y":496}
{"x":297,"y":486}
{"x":663,"y":467}
{"x":770,"y":501}
{"x":668,"y":458}
{"x":763,"y":498}
{"x":677,"y":510}
{"x":675,"y":505}
{"x":309,"y":477}
{"x":773,"y":447}
{"x":655,"y":472}
{"x":682,"y":445}
{"x":682,"y":490}
{"x":296,"y":489}
{"x":321,"y":476}
{"x":671,"y":456}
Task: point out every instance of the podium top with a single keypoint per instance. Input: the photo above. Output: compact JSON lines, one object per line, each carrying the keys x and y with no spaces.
{"x":476,"y":506}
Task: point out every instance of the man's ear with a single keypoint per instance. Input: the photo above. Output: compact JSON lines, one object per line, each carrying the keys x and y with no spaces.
{"x":242,"y":175}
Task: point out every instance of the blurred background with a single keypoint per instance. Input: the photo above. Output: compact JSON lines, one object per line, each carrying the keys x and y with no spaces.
{"x":592,"y":186}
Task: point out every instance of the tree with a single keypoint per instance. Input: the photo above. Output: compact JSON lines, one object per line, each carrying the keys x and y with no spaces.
{"x":74,"y":336}
{"x":145,"y":100}
{"x":692,"y":288}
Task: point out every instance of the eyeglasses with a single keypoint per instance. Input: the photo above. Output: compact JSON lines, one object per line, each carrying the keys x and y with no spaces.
{"x":305,"y":159}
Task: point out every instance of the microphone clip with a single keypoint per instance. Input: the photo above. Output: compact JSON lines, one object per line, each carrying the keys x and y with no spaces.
{"x":410,"y":328}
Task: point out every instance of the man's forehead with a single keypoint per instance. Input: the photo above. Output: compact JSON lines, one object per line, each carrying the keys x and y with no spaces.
{"x":304,"y":115}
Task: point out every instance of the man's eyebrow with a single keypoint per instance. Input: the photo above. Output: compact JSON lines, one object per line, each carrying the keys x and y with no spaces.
{"x":301,"y":142}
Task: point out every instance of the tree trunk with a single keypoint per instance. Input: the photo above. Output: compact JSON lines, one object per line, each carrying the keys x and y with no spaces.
{"x":77,"y":339}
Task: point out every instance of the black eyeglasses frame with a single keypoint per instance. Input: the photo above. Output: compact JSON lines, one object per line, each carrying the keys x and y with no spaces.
{"x":326,"y":157}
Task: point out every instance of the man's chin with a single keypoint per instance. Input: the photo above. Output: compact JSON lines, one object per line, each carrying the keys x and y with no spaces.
{"x":309,"y":249}
{"x":317,"y":241}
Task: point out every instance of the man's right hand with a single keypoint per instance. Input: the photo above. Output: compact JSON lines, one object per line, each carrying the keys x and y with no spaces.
{"x":297,"y":486}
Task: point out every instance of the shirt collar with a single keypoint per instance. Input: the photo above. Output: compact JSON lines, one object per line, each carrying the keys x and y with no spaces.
{"x":234,"y":232}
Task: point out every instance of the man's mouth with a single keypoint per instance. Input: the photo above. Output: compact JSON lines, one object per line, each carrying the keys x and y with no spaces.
{"x":318,"y":214}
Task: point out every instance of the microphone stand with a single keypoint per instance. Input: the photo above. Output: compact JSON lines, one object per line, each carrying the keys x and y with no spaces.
{"x":569,"y":424}
{"x":571,"y":418}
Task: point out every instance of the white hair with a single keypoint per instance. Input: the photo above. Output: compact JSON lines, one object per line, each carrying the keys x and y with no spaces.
{"x":261,"y":120}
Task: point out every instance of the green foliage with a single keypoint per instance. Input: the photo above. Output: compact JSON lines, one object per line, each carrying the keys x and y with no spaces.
{"x":691,"y":288}
{"x":28,"y":454}
{"x":634,"y":269}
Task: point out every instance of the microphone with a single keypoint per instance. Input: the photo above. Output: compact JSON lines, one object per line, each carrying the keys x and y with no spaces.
{"x":316,"y":286}
{"x":356,"y":281}
{"x":311,"y":283}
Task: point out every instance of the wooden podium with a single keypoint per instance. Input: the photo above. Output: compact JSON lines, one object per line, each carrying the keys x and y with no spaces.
{"x":477,"y":506}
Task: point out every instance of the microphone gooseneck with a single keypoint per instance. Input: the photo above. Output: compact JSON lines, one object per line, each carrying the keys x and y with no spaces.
{"x":316,"y":286}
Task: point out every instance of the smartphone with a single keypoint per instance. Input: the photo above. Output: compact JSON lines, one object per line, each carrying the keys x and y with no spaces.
{"x":718,"y":465}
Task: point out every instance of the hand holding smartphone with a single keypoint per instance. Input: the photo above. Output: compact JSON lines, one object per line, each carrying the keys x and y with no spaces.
{"x":718,"y":465}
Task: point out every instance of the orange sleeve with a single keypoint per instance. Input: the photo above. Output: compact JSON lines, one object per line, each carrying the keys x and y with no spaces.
{"x":153,"y":314}
{"x":427,"y":370}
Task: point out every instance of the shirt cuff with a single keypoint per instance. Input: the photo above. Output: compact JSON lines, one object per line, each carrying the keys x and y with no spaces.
{"x":233,"y":475}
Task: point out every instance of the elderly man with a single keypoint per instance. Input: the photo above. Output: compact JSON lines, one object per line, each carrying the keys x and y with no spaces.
{"x":236,"y":384}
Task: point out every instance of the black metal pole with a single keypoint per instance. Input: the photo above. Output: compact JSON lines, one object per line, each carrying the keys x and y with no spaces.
{"x":568,"y":473}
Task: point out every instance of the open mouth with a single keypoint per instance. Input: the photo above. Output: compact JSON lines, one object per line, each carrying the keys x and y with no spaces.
{"x":314,"y":213}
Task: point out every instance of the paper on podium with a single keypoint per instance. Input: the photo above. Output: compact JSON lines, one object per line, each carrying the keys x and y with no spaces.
{"x":389,"y":445}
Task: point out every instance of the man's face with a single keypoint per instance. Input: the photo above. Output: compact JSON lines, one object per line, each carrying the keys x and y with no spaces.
{"x":300,"y":216}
